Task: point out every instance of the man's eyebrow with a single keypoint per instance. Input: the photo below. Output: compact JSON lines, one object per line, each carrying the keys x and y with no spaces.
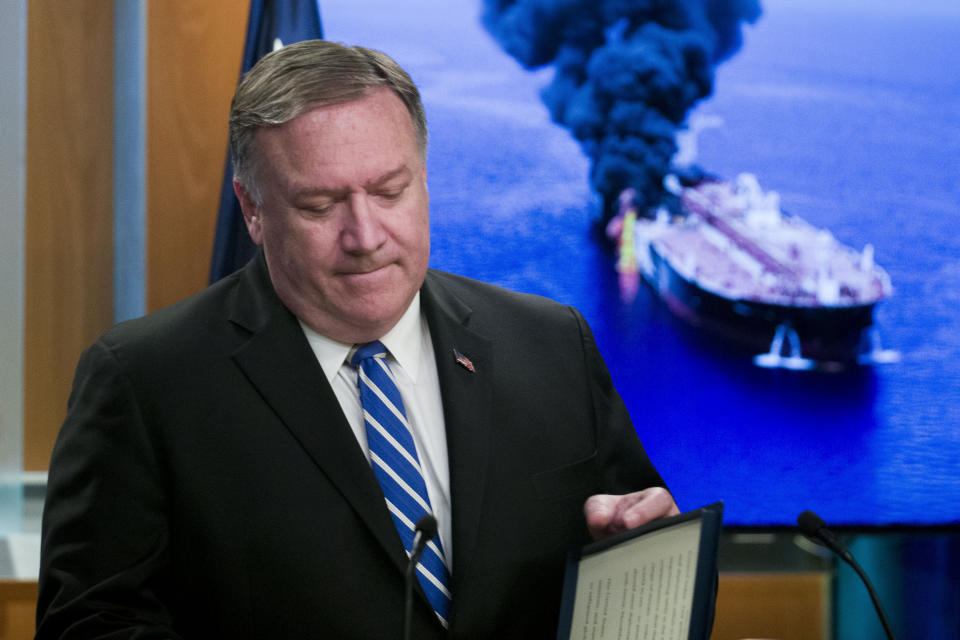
{"x":317,"y":192}
{"x":324,"y":192}
{"x":401,"y":171}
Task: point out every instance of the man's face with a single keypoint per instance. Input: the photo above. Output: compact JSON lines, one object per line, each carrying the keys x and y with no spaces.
{"x":344,"y":220}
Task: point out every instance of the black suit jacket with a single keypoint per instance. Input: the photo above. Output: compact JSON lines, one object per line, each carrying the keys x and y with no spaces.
{"x":206,"y":484}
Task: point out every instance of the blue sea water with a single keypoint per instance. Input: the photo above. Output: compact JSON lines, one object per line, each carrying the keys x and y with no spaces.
{"x":853,"y":116}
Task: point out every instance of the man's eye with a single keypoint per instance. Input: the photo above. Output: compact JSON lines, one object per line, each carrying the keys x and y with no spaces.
{"x":392,"y":194}
{"x":315,"y":210}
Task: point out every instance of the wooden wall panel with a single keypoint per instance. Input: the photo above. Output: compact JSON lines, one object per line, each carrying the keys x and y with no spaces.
{"x":194,"y":51}
{"x":785,"y":606}
{"x":69,"y":205}
{"x":18,"y":605}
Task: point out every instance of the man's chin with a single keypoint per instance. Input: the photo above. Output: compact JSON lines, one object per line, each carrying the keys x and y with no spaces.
{"x":373,"y":314}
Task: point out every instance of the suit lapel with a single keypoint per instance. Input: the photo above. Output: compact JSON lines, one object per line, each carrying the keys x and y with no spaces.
{"x":279,"y":363}
{"x":467,"y":397}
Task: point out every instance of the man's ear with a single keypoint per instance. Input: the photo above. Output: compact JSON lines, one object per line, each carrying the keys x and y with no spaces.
{"x":251,"y":213}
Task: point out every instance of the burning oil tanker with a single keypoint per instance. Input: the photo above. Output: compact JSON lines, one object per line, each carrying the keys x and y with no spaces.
{"x":730,"y":261}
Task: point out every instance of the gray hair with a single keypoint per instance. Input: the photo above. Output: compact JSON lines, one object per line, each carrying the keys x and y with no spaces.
{"x":304,"y":75}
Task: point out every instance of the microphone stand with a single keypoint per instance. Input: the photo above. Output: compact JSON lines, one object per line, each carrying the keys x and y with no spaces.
{"x":815,"y":529}
{"x":873,"y":596}
{"x":426,"y":529}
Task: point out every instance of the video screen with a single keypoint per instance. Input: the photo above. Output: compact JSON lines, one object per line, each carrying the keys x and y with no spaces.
{"x":778,"y":298}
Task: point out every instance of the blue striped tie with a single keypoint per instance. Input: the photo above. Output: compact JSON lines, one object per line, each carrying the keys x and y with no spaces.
{"x":396,"y":465}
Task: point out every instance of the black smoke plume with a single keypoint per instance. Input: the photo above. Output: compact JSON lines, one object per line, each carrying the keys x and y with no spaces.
{"x":626,"y":73}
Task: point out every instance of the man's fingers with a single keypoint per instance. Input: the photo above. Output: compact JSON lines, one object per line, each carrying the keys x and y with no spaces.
{"x":654,"y":503}
{"x":609,"y":514}
{"x":600,"y":509}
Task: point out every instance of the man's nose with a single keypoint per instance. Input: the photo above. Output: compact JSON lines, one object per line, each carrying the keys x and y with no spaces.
{"x":362,"y":231}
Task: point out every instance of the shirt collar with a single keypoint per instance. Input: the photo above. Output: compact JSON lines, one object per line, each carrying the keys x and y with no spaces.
{"x":402,"y":341}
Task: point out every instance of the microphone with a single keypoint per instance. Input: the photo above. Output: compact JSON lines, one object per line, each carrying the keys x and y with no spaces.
{"x":426,"y":530}
{"x":813,"y":526}
{"x":815,"y":529}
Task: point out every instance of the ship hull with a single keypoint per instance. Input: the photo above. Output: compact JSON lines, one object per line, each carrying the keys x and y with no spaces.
{"x":826,"y":334}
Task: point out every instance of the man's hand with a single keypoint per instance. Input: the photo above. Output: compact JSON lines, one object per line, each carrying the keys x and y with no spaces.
{"x":609,"y":514}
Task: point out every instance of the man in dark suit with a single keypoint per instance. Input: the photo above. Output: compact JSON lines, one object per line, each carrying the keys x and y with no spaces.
{"x":216,"y":475}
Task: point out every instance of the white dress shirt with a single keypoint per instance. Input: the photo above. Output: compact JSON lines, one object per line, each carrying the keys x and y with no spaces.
{"x":411,"y":359}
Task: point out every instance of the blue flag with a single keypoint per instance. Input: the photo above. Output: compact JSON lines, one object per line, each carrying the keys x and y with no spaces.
{"x":272,"y":24}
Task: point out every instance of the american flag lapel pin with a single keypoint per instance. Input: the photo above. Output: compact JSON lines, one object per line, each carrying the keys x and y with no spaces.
{"x":463,"y":361}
